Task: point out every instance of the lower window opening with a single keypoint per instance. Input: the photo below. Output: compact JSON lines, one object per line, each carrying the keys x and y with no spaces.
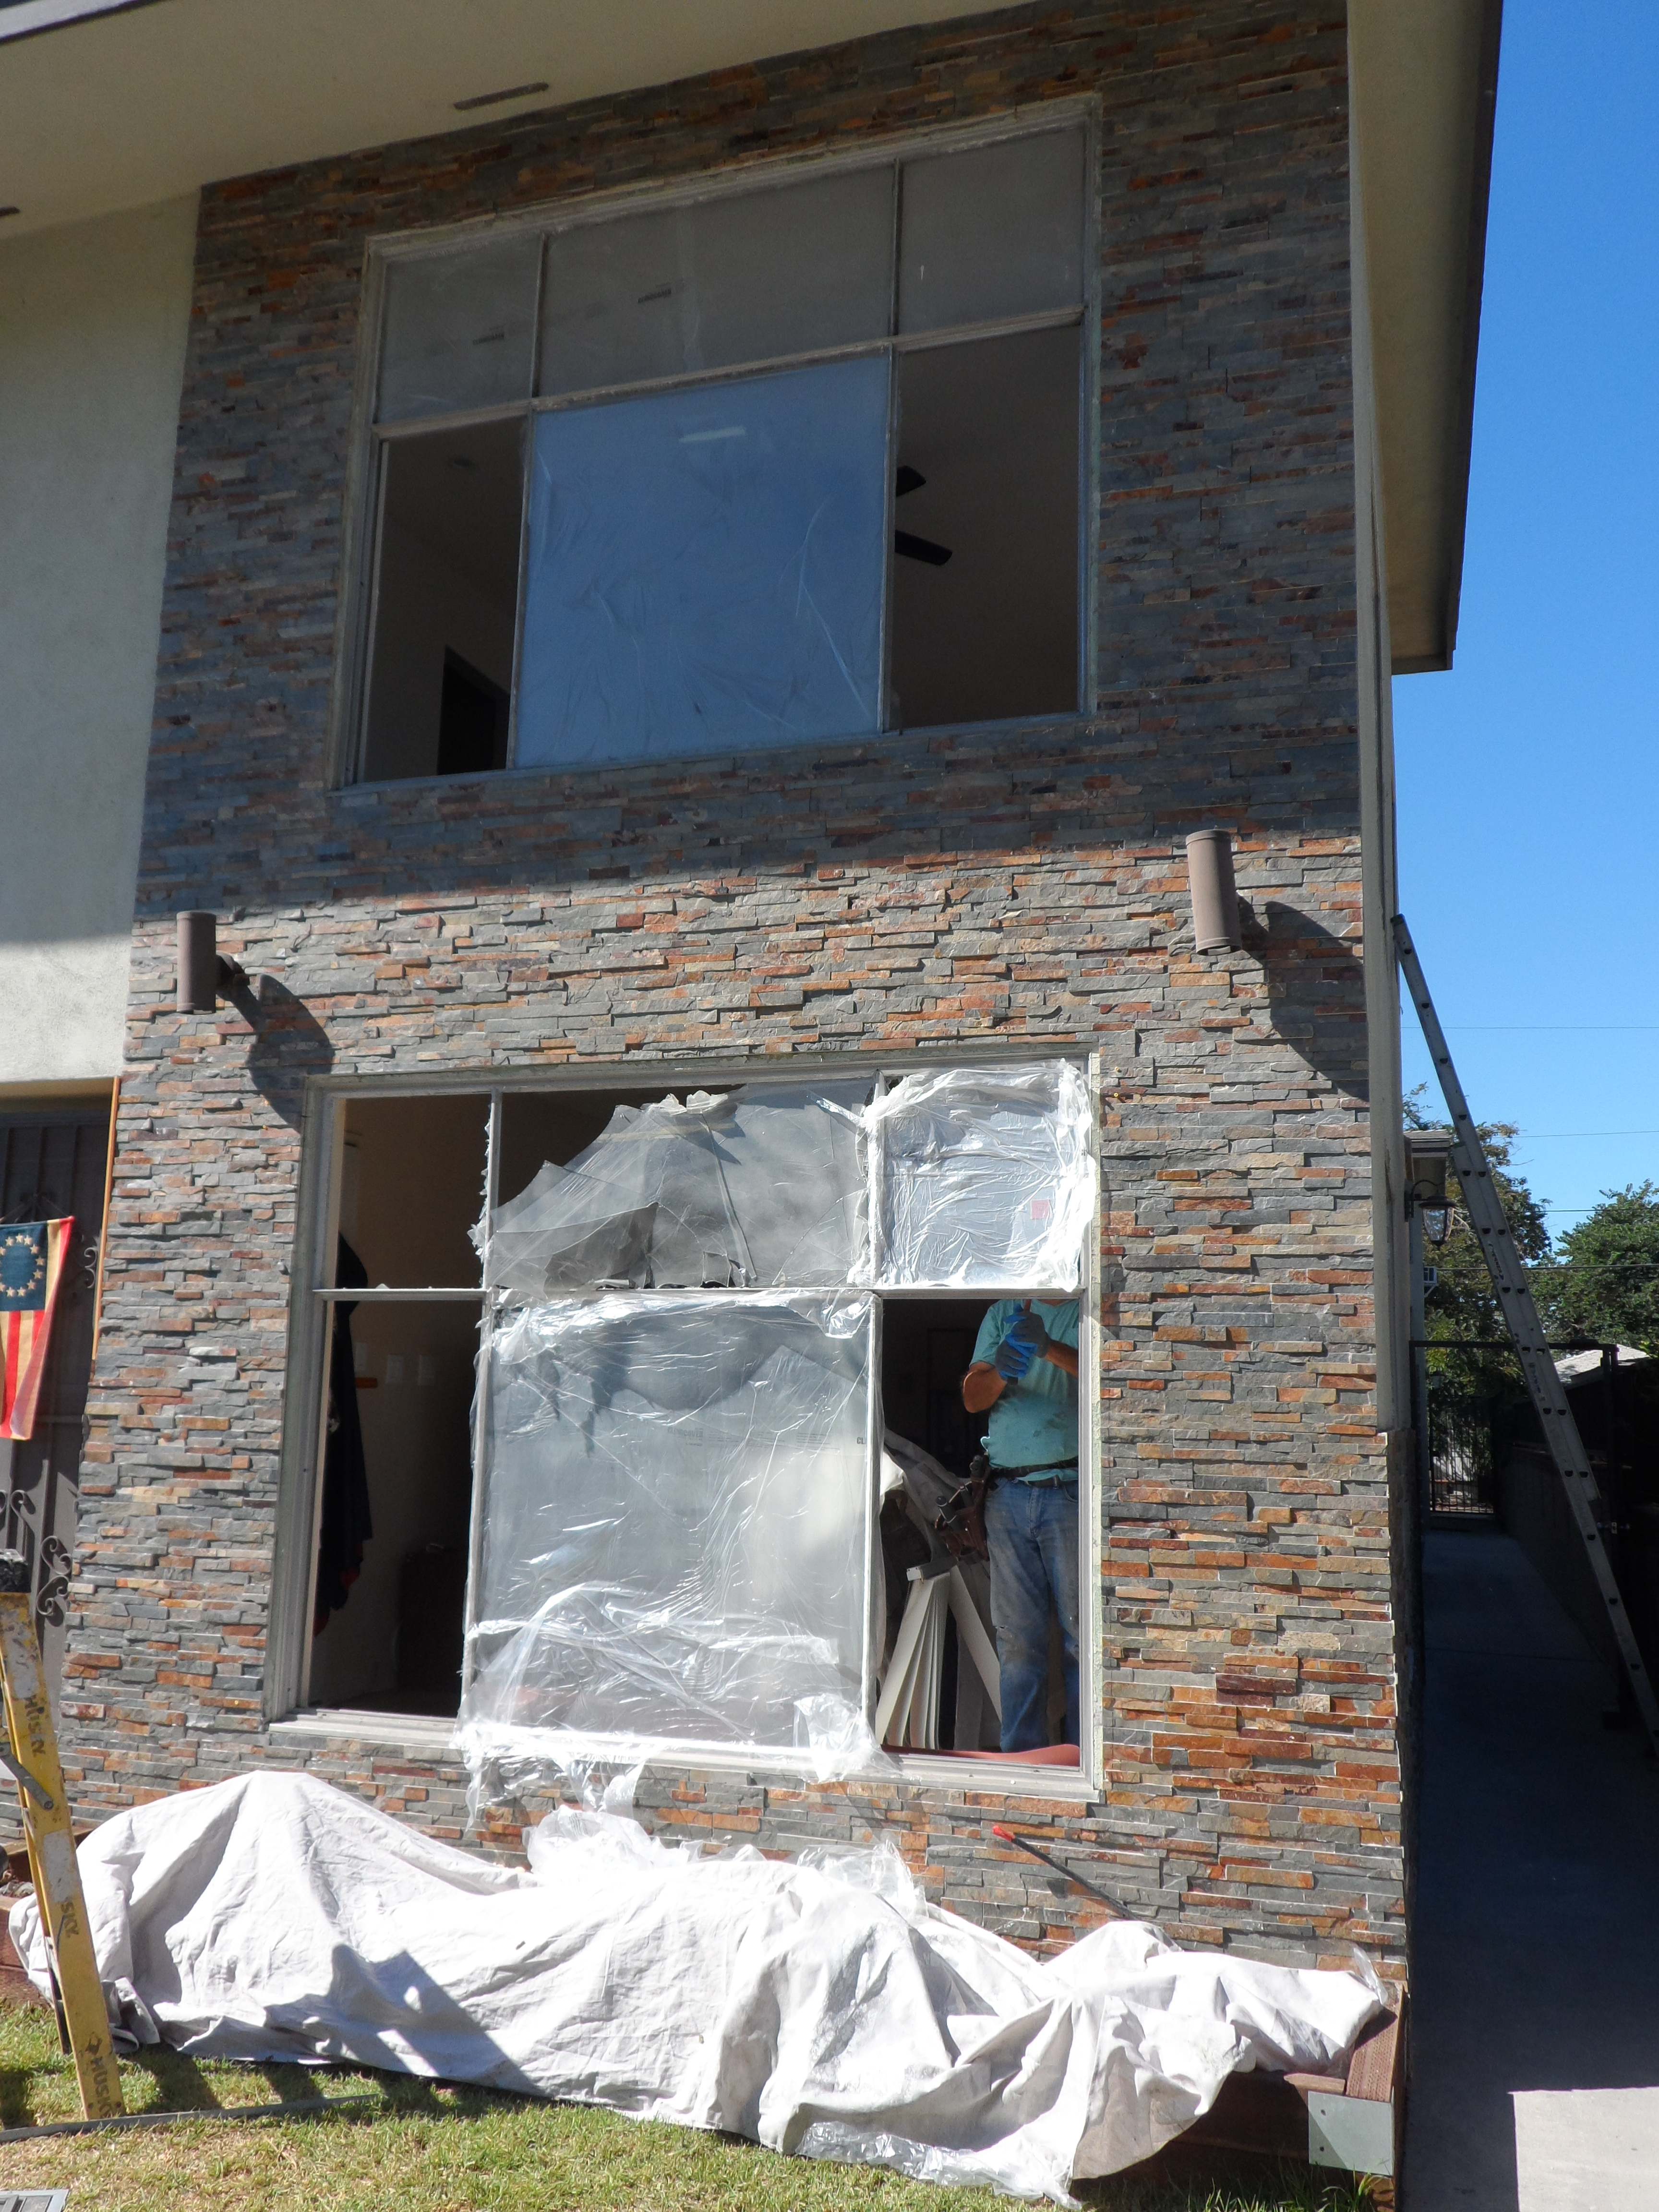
{"x":395,"y":1511}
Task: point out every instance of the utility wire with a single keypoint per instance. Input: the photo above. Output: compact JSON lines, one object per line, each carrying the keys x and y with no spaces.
{"x":1554,"y":1029}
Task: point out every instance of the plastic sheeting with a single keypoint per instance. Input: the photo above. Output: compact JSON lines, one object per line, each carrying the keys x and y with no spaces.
{"x":676,"y":1541}
{"x":763,"y":1187}
{"x":705,"y":570}
{"x":825,"y":2009}
{"x":675,"y":1527}
{"x":985,"y":1180}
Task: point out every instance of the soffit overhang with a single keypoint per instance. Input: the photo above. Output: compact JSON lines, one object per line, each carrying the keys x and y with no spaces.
{"x":122,"y":106}
{"x":1424,"y":81}
{"x":107,"y":105}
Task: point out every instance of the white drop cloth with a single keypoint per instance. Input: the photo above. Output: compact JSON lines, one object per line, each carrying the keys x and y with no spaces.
{"x":825,"y":2009}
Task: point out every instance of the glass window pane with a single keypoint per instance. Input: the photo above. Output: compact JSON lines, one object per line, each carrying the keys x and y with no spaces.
{"x":706,"y":569}
{"x":459,"y":329}
{"x":995,"y":231}
{"x":446,"y":599}
{"x":719,"y":283}
{"x":675,"y":1516}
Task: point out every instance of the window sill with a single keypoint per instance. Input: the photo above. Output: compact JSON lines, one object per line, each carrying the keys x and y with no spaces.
{"x":419,"y":1736}
{"x":422,"y":1736}
{"x":551,"y":772}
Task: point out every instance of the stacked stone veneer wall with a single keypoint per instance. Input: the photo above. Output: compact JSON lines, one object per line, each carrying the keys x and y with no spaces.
{"x":1020,"y":886}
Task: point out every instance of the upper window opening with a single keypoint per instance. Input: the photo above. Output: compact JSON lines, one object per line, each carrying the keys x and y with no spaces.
{"x":985,"y":604}
{"x":597,"y":539}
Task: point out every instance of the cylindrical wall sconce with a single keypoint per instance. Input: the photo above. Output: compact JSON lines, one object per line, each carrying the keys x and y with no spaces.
{"x":1215,"y":896}
{"x":198,"y":962}
{"x":205,"y":976}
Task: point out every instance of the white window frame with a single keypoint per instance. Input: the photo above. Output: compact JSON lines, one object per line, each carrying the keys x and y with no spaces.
{"x":354,"y":641}
{"x":299,"y":1493}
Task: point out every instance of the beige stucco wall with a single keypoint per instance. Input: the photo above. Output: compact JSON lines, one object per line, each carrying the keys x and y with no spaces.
{"x":93,"y":320}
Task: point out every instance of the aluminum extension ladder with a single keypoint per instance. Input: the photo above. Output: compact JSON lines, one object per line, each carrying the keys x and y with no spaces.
{"x":29,"y":1754}
{"x":1544,"y":1386}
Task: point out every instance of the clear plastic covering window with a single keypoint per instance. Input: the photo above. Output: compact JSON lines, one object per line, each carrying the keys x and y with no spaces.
{"x":986,"y":1179}
{"x":760,"y":1187}
{"x":676,"y":1537}
{"x":676,"y":1530}
{"x":706,"y":569}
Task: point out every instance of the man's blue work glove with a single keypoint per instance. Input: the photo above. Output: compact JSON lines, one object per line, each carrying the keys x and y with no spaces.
{"x":1013,"y":1358}
{"x":1026,"y":1341}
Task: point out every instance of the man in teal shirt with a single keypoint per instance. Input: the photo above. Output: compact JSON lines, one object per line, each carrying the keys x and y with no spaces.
{"x":1025,"y":1374}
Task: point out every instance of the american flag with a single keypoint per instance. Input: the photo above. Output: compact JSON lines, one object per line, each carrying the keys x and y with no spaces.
{"x":33,"y":1256}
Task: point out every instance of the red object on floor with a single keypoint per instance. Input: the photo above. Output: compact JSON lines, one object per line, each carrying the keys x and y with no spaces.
{"x":1047,"y":1754}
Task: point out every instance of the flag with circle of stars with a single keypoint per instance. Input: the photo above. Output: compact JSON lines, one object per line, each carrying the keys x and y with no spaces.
{"x":33,"y":1255}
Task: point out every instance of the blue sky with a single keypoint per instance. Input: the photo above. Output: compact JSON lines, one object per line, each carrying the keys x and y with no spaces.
{"x":1529,"y":830}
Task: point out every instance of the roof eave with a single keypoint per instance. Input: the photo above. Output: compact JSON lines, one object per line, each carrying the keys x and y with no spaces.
{"x":1425,"y":89}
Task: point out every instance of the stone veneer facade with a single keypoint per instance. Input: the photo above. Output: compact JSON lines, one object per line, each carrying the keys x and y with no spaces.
{"x":832,"y":902}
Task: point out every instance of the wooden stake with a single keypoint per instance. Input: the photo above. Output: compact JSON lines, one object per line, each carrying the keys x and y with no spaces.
{"x":34,"y":1765}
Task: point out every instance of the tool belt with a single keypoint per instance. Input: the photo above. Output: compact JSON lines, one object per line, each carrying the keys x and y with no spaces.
{"x":961,"y":1519}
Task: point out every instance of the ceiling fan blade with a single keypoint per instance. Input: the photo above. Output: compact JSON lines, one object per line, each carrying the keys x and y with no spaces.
{"x":920,"y":548}
{"x":908,"y":479}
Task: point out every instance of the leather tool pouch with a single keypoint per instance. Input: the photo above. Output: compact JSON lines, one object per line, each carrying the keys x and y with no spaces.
{"x":961,"y":1519}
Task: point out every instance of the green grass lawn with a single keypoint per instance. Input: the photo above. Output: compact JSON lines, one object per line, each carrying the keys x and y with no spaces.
{"x":427,"y":2148}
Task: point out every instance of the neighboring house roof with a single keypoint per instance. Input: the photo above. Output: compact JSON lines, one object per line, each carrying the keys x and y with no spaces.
{"x":1576,"y":1365}
{"x":112,"y":103}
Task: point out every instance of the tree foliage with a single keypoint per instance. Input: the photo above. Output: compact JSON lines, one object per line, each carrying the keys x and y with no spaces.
{"x":1604,"y":1283}
{"x":1462,"y":1309}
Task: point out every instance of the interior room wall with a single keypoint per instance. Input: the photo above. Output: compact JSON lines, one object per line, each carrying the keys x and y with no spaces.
{"x":413,"y":1188}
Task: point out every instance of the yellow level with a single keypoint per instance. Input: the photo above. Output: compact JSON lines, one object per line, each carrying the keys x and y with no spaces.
{"x":31,"y":1756}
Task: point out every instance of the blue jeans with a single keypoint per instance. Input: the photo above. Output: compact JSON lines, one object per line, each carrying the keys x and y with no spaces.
{"x":1033,"y":1540}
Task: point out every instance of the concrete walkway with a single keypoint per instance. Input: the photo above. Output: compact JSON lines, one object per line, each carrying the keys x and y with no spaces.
{"x":1536,"y":1957}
